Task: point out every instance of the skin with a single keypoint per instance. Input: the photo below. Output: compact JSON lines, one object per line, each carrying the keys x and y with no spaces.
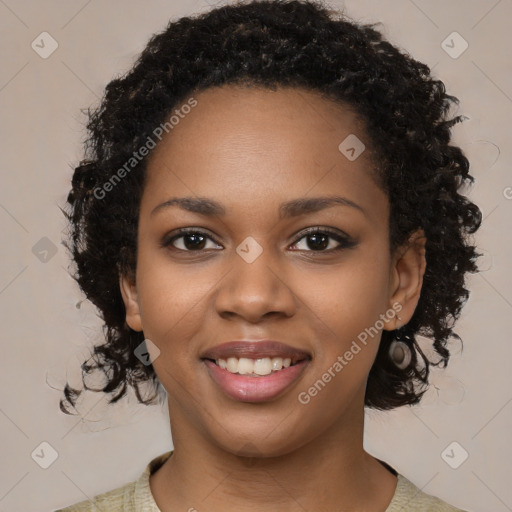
{"x":252,"y":149}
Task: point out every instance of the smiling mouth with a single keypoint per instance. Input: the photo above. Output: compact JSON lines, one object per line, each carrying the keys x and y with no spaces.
{"x":259,"y":367}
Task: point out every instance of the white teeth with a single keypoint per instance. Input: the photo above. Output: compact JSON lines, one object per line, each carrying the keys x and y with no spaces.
{"x":245,"y":366}
{"x":232,"y":364}
{"x":277,"y":363}
{"x":261,"y":366}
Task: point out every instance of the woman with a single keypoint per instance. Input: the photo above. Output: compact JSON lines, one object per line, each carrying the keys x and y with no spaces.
{"x":267,"y":216}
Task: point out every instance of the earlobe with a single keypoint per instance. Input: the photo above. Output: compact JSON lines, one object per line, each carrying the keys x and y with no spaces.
{"x":131,"y":302}
{"x":408,"y":269}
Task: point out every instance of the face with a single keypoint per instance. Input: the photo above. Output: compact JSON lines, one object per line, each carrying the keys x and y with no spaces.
{"x":264,"y":259}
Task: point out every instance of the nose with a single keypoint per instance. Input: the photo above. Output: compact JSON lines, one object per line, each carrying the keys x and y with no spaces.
{"x":255,"y":288}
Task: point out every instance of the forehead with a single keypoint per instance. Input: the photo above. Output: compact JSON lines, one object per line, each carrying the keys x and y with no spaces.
{"x":253,"y":143}
{"x":236,"y":112}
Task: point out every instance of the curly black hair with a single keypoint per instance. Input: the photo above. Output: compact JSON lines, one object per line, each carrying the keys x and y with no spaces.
{"x":279,"y":43}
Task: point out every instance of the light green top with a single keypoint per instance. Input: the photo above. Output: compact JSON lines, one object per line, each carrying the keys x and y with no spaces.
{"x":136,"y":496}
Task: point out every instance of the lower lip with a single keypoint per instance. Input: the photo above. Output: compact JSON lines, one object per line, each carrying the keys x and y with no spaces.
{"x":245,"y":388}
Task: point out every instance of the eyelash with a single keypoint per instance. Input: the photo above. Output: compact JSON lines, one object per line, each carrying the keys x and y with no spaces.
{"x":344,"y":240}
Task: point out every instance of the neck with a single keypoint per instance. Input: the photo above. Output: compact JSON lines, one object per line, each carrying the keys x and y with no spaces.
{"x":329,"y":470}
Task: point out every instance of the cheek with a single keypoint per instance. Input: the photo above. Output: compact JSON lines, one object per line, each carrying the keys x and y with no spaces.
{"x":174,"y":305}
{"x":178,"y":314}
{"x":347,"y":308}
{"x":351,"y":297}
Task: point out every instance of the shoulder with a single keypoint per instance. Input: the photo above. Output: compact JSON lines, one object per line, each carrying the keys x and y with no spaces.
{"x":113,"y":501}
{"x":411,"y":498}
{"x":133,"y":497}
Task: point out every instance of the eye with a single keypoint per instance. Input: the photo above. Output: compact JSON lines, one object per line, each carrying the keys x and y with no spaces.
{"x":193,"y":240}
{"x":320,"y":240}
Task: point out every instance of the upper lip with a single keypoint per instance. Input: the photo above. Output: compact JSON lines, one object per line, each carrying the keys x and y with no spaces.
{"x":255,"y":350}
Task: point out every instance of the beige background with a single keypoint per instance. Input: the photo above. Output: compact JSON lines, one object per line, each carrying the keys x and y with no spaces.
{"x":44,"y":334}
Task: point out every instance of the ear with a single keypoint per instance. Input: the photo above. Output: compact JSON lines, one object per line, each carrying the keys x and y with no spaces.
{"x":406,"y":279}
{"x":131,"y":302}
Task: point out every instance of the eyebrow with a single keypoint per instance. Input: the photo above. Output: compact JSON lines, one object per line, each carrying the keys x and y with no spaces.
{"x":292,"y":208}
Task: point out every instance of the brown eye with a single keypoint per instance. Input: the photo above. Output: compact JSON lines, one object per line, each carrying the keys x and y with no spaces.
{"x":324,"y":240}
{"x":189,"y":240}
